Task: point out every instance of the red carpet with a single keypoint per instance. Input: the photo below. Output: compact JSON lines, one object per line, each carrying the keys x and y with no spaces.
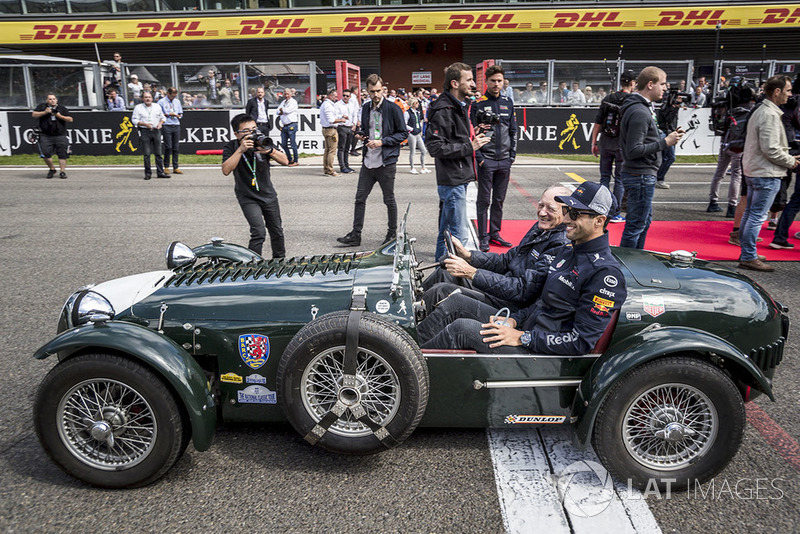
{"x":708,"y":238}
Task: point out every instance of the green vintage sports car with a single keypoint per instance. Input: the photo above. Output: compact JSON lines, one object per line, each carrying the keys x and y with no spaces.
{"x":150,"y":362}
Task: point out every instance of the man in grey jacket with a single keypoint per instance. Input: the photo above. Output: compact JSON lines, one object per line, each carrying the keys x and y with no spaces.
{"x":765,"y":160}
{"x":641,"y":151}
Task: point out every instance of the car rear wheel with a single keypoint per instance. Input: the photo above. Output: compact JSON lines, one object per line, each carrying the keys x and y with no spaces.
{"x":109,"y":421}
{"x":390,"y":384}
{"x":675,"y":418}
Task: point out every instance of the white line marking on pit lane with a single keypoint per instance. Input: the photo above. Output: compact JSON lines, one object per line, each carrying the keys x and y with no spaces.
{"x":530,"y":465}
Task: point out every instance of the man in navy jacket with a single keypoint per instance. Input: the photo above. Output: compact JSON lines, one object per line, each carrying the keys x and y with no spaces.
{"x":382,"y":130}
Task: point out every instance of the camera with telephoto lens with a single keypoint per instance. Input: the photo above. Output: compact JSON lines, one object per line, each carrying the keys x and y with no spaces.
{"x":738,"y":93}
{"x":261,"y":141}
{"x":487,"y":116}
{"x":671,"y":97}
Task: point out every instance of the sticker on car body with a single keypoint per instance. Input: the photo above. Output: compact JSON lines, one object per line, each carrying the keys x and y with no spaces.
{"x":535,"y":419}
{"x":231,"y":378}
{"x":653,"y":305}
{"x":382,"y":306}
{"x":254,"y":349}
{"x":256,"y":379}
{"x":256,"y":395}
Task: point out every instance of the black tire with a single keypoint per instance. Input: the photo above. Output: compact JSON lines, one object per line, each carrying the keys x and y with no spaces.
{"x":393,"y":381}
{"x":131,"y":437}
{"x":630,"y":433}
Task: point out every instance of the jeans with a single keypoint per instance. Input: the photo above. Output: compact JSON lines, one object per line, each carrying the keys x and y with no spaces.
{"x":641,"y":189}
{"x":493,"y":179}
{"x":667,"y":159}
{"x":789,"y":212}
{"x":171,"y":135}
{"x":415,"y":141}
{"x":150,"y":141}
{"x":760,"y":194}
{"x":367,"y":178}
{"x":727,"y":158}
{"x":257,"y":214}
{"x":343,"y":147}
{"x":607,"y":159}
{"x":289,"y":140}
{"x":452,"y":215}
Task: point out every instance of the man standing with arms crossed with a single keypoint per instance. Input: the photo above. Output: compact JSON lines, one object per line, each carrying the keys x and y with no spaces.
{"x":385,"y":129}
{"x":765,"y":160}
{"x":449,"y":140}
{"x":330,"y":120}
{"x":345,"y":130}
{"x":287,"y":112}
{"x":149,"y":119}
{"x":173,"y":111}
{"x":642,"y":145}
{"x":495,"y":158}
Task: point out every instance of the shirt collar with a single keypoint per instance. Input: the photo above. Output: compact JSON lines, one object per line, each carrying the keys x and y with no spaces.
{"x":378,"y":107}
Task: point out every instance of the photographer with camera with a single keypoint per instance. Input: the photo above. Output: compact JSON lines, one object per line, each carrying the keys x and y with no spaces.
{"x":247,"y":156}
{"x":667,"y":117}
{"x":494,"y":114}
{"x":53,"y":120}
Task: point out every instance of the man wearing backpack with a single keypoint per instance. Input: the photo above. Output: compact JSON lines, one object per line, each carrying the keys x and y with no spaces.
{"x":607,"y":146}
{"x":730,"y":154}
{"x":765,"y":160}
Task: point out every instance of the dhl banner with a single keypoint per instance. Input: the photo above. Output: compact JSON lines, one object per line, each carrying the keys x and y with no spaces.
{"x":389,"y":23}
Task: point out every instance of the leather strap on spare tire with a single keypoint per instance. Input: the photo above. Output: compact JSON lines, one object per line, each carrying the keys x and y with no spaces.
{"x":358,"y":305}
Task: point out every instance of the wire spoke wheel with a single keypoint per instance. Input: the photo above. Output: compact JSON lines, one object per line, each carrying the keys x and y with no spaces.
{"x":377,"y":389}
{"x":106,"y":424}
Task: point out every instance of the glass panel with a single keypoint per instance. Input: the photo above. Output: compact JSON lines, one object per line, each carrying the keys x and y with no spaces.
{"x":69,"y":83}
{"x":225,"y":4}
{"x":136,"y":5}
{"x":90,"y":6}
{"x":180,"y":5}
{"x":209,"y":85}
{"x":529,"y":82}
{"x":46,"y":6}
{"x":10,"y":6}
{"x":12,"y":87}
{"x":572,"y":78}
{"x":313,"y":3}
{"x":676,"y":71}
{"x":274,"y":77}
{"x":790,"y":68}
{"x":750,"y":72}
{"x":154,"y":78}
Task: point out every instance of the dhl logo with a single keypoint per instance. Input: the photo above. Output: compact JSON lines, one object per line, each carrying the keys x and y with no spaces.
{"x":48,"y":32}
{"x":482,"y":22}
{"x":395,"y":23}
{"x":781,"y":16}
{"x":271,"y":26}
{"x":591,"y":19}
{"x":169,"y":29}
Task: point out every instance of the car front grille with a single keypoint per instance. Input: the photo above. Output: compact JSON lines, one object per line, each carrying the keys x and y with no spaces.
{"x":769,"y":356}
{"x":263,"y":269}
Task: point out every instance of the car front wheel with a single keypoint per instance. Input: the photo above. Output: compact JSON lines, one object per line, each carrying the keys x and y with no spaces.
{"x":108,"y":421}
{"x":673,"y":421}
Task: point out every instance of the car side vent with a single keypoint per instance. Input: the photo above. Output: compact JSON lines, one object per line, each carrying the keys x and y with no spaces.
{"x":769,"y":356}
{"x":263,"y":269}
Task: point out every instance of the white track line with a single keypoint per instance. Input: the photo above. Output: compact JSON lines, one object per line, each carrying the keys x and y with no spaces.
{"x":530,"y":465}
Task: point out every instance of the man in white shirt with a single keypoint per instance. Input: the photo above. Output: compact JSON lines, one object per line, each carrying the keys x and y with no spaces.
{"x":576,"y":97}
{"x":329,"y":120}
{"x":345,"y":130}
{"x":287,"y":113}
{"x":173,"y":113}
{"x":148,"y":119}
{"x":135,"y":88}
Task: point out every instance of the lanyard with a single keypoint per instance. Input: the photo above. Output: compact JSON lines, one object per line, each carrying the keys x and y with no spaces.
{"x":252,"y":168}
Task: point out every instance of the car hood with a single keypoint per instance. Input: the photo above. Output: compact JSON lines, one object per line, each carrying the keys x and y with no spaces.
{"x":124,"y":292}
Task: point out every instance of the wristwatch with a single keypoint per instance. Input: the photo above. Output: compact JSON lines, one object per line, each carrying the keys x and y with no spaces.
{"x":525,"y":338}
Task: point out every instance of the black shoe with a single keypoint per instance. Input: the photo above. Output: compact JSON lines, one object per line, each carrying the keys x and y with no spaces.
{"x":350,"y":240}
{"x":162,"y":175}
{"x":62,"y":175}
{"x":713,"y":207}
{"x":51,"y":173}
{"x":484,"y":244}
{"x":781,"y":244}
{"x":731,"y":213}
{"x":391,"y":235}
{"x":147,"y":177}
{"x":354,"y":153}
{"x":499,"y":241}
{"x":347,"y":170}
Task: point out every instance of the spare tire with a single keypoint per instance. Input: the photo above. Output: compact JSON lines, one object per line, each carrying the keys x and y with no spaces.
{"x":391,"y":384}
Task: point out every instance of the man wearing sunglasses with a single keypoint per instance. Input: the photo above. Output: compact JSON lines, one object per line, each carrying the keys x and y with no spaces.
{"x":583,"y":289}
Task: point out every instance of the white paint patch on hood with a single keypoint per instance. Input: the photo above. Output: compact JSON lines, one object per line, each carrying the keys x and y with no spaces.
{"x":123,"y":293}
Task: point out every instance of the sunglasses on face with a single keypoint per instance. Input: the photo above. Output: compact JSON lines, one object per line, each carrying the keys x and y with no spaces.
{"x":573,"y":214}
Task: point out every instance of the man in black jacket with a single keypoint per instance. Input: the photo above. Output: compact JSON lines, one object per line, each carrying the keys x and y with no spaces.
{"x":495,"y":158}
{"x":449,"y":140}
{"x":257,"y":108}
{"x":504,"y":280}
{"x":583,"y":288}
{"x":642,"y":145}
{"x":383,"y":130}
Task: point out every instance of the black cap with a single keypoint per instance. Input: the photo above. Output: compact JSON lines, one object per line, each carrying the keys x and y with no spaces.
{"x":627,"y":77}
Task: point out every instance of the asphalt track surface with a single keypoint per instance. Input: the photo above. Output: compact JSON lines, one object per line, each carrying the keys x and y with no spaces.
{"x":102,"y":223}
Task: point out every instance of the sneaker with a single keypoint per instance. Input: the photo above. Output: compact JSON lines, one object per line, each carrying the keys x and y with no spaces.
{"x":756,"y":265}
{"x":499,"y":241}
{"x":772,"y":224}
{"x":484,"y":244}
{"x":713,"y":207}
{"x":617,"y":219}
{"x":426,"y":171}
{"x":347,"y":170}
{"x":662,"y":185}
{"x":391,"y":235}
{"x":731,"y":213}
{"x":413,"y":171}
{"x":734,"y":238}
{"x":334,"y":173}
{"x":62,"y":175}
{"x":147,"y":176}
{"x":51,"y":173}
{"x":350,"y":240}
{"x":176,"y":170}
{"x":781,"y":245}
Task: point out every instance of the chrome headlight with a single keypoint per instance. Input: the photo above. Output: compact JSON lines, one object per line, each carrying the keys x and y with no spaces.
{"x":86,"y":306}
{"x":179,"y":255}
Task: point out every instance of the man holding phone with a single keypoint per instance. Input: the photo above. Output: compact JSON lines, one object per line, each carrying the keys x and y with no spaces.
{"x":495,"y":158}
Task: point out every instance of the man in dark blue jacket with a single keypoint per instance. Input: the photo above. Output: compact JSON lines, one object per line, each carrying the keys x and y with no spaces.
{"x":495,"y":158}
{"x":382,"y":130}
{"x":583,"y":289}
{"x":504,"y":280}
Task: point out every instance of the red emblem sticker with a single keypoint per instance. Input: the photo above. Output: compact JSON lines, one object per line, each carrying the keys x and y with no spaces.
{"x":653,"y":305}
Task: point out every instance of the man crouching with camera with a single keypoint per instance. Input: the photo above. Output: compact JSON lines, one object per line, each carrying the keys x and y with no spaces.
{"x":247,"y":156}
